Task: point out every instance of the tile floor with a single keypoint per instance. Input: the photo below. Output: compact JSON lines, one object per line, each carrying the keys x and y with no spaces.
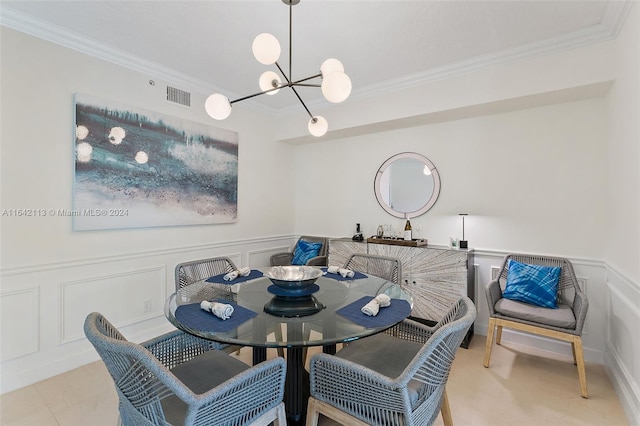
{"x":519,"y":389}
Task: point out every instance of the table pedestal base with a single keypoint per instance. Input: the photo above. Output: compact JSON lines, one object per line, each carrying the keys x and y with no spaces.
{"x":296,"y":385}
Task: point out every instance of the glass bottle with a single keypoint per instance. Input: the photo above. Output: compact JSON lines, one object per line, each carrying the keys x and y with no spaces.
{"x":407,"y":230}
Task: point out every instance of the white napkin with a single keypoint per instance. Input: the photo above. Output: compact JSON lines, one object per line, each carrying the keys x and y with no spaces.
{"x":380,"y":301}
{"x":333,"y":269}
{"x":221,"y":310}
{"x":346,"y":273}
{"x":235,"y":274}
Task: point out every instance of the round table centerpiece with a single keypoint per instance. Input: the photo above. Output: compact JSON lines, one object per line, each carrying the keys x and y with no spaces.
{"x":293,"y":289}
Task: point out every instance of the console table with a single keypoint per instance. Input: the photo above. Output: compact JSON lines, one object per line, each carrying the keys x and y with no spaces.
{"x":435,"y":276}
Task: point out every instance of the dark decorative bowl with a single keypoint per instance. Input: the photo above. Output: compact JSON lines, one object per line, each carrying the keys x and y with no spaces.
{"x":293,"y":278}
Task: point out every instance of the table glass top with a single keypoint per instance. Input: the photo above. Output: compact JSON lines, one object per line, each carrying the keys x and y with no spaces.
{"x":263,"y":329}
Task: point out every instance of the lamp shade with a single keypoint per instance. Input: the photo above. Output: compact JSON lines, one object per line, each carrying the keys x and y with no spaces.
{"x":331,"y":65}
{"x":217,"y":106}
{"x":336,"y":86}
{"x":266,"y":48}
{"x":318,"y":126}
{"x":266,"y":82}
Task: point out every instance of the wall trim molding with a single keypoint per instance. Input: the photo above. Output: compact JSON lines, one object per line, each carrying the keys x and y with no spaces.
{"x":5,"y":272}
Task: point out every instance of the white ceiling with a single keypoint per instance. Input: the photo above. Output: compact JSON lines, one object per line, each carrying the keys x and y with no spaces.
{"x":382,"y":44}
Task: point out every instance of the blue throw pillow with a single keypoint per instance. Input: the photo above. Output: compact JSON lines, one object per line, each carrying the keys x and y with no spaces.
{"x":534,"y":284}
{"x":304,"y":251}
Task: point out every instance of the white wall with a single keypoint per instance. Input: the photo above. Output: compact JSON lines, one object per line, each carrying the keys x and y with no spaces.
{"x":52,"y":277}
{"x":529,"y":180}
{"x":38,"y":83}
{"x":622,"y":244}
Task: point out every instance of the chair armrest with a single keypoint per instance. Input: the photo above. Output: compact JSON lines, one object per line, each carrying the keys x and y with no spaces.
{"x":262,"y":384}
{"x":177,"y":347}
{"x":317,"y":261}
{"x":493,"y":293}
{"x":281,"y":259}
{"x":580,"y":307}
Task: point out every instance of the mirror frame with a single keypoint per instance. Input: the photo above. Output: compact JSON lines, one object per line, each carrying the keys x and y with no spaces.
{"x":436,"y":184}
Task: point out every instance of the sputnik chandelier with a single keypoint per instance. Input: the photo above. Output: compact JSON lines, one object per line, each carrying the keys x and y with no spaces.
{"x":335,"y":86}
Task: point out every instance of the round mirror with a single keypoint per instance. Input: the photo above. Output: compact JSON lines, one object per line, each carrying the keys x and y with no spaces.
{"x":407,"y":185}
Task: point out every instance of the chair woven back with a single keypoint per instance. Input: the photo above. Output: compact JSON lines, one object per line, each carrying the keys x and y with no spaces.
{"x":385,"y":267}
{"x":412,"y":398}
{"x":138,"y":388}
{"x":432,"y":364}
{"x":567,"y":285}
{"x":189,"y":272}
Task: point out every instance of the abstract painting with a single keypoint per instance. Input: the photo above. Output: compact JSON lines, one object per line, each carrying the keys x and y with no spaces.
{"x":136,"y":168}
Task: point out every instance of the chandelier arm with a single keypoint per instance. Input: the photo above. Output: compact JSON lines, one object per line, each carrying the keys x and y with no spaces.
{"x":308,"y":78}
{"x":255,"y":94}
{"x":305,"y":85}
{"x":301,"y":101}
{"x":283,"y":74}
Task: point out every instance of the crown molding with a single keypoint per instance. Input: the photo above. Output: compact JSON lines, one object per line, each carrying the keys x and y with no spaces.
{"x":61,"y":36}
{"x":608,"y":29}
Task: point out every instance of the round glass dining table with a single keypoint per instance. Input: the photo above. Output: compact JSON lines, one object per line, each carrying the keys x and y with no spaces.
{"x":250,"y":325}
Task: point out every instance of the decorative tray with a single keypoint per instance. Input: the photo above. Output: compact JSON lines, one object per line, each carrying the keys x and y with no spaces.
{"x":397,"y":242}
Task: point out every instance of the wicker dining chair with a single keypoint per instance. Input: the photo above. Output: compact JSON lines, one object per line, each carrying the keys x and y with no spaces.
{"x":387,"y":380}
{"x":196,"y":270}
{"x":564,"y":323}
{"x":180,"y":379}
{"x":388,"y":268}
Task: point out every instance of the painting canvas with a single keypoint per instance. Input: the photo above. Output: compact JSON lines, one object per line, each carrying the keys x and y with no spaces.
{"x":137,"y":168}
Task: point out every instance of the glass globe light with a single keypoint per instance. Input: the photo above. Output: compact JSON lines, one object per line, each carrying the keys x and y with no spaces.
{"x":336,"y":86}
{"x":331,"y":65}
{"x":266,"y":48}
{"x":318,"y":126}
{"x":217,"y":106}
{"x":266,"y":82}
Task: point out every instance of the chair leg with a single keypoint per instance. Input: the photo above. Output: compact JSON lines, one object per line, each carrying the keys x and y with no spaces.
{"x":445,"y":410}
{"x":282,"y":416}
{"x":576,"y":344}
{"x":315,"y":408}
{"x":312,"y":413}
{"x":499,"y":335}
{"x":487,"y":349}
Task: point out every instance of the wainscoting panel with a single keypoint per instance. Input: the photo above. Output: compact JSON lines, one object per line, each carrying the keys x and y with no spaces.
{"x":129,"y":289}
{"x":262,"y":258}
{"x":622,"y":354}
{"x":141,"y":296}
{"x":19,"y":310}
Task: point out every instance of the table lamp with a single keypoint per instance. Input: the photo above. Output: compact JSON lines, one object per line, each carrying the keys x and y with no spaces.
{"x":463,"y":244}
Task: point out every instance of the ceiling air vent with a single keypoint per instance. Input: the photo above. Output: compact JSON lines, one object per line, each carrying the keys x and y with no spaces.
{"x":178,"y":96}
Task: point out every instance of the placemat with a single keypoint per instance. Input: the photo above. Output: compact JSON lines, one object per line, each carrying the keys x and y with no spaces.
{"x":396,"y":312}
{"x":357,"y":275}
{"x":192,"y":316}
{"x":219,"y":279}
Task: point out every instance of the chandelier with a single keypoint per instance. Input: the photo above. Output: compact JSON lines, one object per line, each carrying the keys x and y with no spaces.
{"x":335,"y":86}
